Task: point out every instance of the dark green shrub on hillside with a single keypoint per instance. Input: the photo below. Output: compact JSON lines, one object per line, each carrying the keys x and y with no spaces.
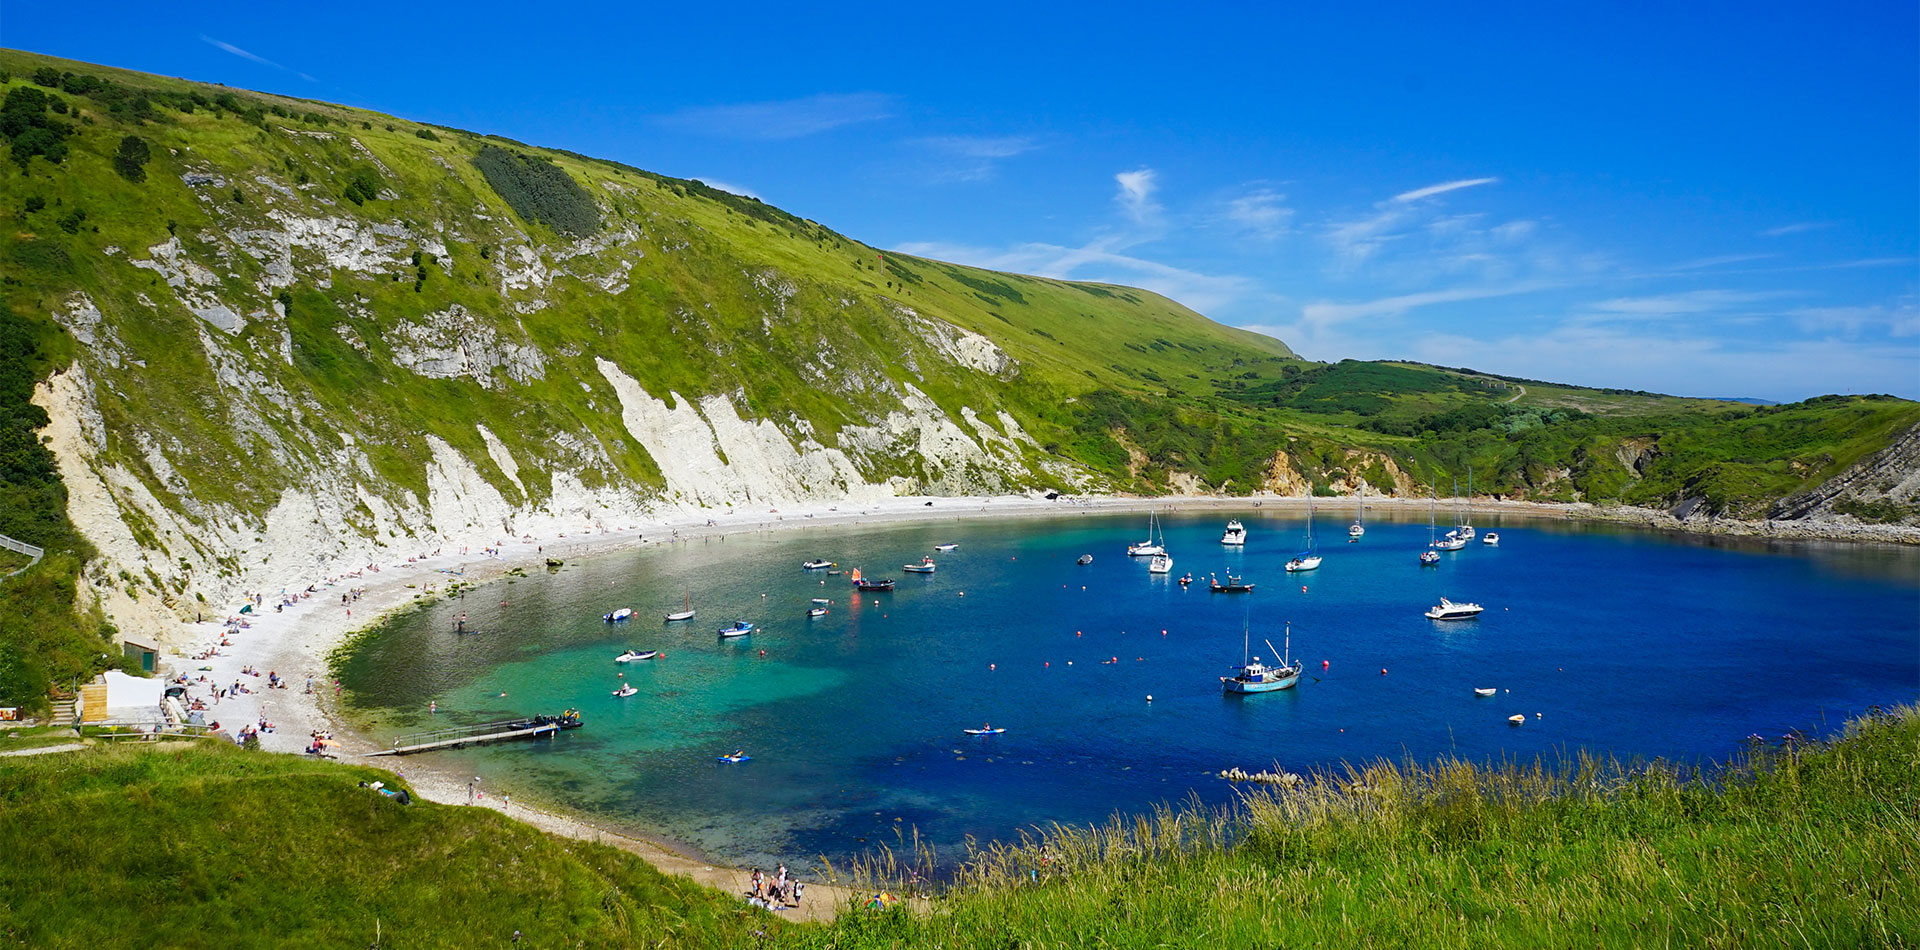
{"x":426,"y":134}
{"x":29,"y":130}
{"x":539,"y":191}
{"x":43,"y":256}
{"x":131,"y":160}
{"x":47,"y":76}
{"x":362,"y":184}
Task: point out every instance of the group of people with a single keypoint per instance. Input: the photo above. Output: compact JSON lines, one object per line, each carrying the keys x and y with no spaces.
{"x":774,"y":891}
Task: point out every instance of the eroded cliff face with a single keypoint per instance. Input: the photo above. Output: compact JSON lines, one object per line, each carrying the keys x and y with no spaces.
{"x":256,"y":407}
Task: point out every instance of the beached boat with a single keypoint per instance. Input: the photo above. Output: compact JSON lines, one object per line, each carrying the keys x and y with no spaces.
{"x":925,"y":566}
{"x":625,"y":690}
{"x":1484,"y":691}
{"x":1236,"y":533}
{"x":817,"y":564}
{"x":1233,"y":585}
{"x":1257,"y":677}
{"x":1448,"y":610}
{"x":1084,"y":559}
{"x":1491,"y":537}
{"x":624,"y":613}
{"x":1309,"y":559}
{"x":950,"y":545}
{"x":686,"y":609}
{"x":635,"y":655}
{"x":739,"y":628}
{"x":1359,"y":525}
{"x":1155,"y":544}
{"x":1161,"y":564}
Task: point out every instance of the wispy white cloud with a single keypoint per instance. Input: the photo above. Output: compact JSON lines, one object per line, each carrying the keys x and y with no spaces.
{"x":1683,"y":303}
{"x":1097,"y":261}
{"x":731,"y":189}
{"x":1323,"y":313}
{"x":226,"y":47}
{"x":1442,"y":188}
{"x":972,"y":157}
{"x":1898,"y":320}
{"x":1136,"y":194}
{"x":1721,"y":260}
{"x":1262,"y":214}
{"x":786,"y":118}
{"x":1797,"y":227}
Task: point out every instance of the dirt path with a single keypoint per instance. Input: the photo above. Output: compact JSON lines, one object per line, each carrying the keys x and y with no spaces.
{"x":1522,"y":392}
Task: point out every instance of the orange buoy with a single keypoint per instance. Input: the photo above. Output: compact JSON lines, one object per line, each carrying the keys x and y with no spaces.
{"x":1383,"y":671}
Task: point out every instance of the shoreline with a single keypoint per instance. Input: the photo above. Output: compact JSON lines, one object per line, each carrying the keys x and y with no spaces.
{"x":297,"y":641}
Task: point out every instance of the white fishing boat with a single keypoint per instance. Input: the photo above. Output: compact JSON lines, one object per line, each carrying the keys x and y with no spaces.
{"x":1309,"y":559}
{"x":1235,"y":534}
{"x":1161,"y":564}
{"x":1491,"y":537}
{"x":632,"y":656}
{"x":1359,"y":525}
{"x":925,"y":566}
{"x":1448,"y":610}
{"x":1155,"y":543}
{"x":1484,"y":691}
{"x":817,"y":612}
{"x":624,"y":613}
{"x":625,"y":690}
{"x":816,"y":564}
{"x":686,"y":609}
{"x":1257,"y":677}
{"x":739,"y":628}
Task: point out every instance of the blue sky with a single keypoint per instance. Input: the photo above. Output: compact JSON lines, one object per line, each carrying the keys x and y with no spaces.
{"x":1699,"y":199}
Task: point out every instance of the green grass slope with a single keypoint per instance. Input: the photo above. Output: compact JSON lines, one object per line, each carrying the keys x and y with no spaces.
{"x":206,"y":845}
{"x":1813,"y":847}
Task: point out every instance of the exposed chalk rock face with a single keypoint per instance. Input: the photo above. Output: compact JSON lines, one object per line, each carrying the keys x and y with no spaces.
{"x":191,"y":282}
{"x":454,"y":343}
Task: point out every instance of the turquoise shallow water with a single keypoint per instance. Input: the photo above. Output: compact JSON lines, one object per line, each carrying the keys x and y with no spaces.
{"x":1624,"y":642}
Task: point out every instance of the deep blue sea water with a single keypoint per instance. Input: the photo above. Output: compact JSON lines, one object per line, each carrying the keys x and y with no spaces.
{"x":1623,"y":642}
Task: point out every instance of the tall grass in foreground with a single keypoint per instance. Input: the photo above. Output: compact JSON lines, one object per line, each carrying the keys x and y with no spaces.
{"x":1814,"y":844}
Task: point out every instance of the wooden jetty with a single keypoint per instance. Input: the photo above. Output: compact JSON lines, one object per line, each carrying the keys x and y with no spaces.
{"x":457,"y":736}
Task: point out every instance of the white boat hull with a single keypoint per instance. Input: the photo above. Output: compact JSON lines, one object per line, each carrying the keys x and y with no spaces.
{"x":1303,"y":564}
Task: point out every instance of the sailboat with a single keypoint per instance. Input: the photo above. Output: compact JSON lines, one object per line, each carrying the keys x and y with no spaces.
{"x":1155,"y":544}
{"x":1309,"y":559}
{"x":1359,"y":525}
{"x":1256,"y":677}
{"x":1453,"y":541}
{"x":686,"y":609}
{"x":1465,"y":531}
{"x":1430,"y":556}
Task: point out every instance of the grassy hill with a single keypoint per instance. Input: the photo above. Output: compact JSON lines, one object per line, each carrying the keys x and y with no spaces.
{"x":277,"y":334}
{"x":209,"y":845}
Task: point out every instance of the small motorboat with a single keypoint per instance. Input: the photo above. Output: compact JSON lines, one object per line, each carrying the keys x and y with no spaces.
{"x":1448,"y":610}
{"x":624,"y":613}
{"x":632,"y":656}
{"x":868,"y":583}
{"x":735,"y":756}
{"x":1484,"y":691}
{"x":816,"y":564}
{"x":950,"y":545}
{"x":817,"y":612}
{"x":1161,"y":564}
{"x":1516,"y":720}
{"x":1084,"y":559}
{"x":925,"y":566}
{"x":1234,"y":585}
{"x":739,"y":628}
{"x":1429,"y":558}
{"x":625,"y":690}
{"x":1491,"y":537}
{"x":984,"y":731}
{"x":1235,"y":534}
{"x":835,"y":572}
{"x":822,"y":601}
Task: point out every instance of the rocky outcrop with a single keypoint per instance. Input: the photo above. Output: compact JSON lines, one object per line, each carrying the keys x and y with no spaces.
{"x":1890,"y":476}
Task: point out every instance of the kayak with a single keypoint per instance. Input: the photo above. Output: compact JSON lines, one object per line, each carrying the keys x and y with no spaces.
{"x":983,"y":732}
{"x":736,"y":757}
